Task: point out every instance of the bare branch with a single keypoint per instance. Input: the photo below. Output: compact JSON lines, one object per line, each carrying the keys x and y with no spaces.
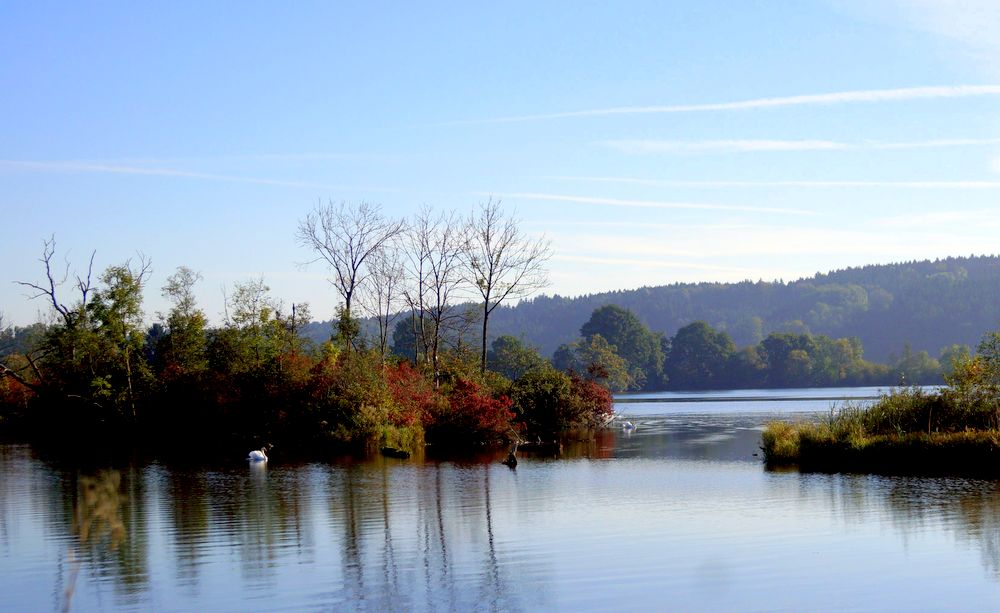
{"x":501,"y":262}
{"x":435,"y":247}
{"x":5,"y":371}
{"x":50,"y":290}
{"x":382,"y":293}
{"x":345,"y":237}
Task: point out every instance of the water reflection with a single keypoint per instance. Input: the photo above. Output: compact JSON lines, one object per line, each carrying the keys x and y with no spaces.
{"x":679,"y":514}
{"x":107,"y":517}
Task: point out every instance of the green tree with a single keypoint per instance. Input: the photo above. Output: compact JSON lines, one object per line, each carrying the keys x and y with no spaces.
{"x":746,"y":368}
{"x":253,"y":334}
{"x":513,"y":359}
{"x":952,"y":356}
{"x":633,"y":341}
{"x":541,"y":397}
{"x":595,"y":359}
{"x":914,"y":367}
{"x":835,"y":361}
{"x":788,"y":360}
{"x":699,"y":357}
{"x":117,"y":311}
{"x":183,"y":348}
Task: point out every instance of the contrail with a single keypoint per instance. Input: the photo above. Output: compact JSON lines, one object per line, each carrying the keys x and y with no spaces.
{"x":848,"y":97}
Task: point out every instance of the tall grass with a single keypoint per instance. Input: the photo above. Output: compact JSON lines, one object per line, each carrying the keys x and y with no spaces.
{"x":907,"y":428}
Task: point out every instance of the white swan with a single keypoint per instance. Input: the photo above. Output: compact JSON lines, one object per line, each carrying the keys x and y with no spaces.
{"x":258,"y":455}
{"x":628,"y":426}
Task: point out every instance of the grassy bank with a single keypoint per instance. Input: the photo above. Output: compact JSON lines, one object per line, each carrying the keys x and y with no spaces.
{"x":908,"y":431}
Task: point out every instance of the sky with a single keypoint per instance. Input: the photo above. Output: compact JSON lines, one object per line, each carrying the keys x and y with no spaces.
{"x":650,"y":142}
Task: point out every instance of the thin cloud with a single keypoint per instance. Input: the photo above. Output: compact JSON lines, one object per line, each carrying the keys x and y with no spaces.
{"x":967,"y":27}
{"x":653,"y":204}
{"x":104,"y":168}
{"x":721,"y":146}
{"x":646,"y":146}
{"x":649,"y":263}
{"x":832,"y":98}
{"x":959,"y":185}
{"x":264,"y":157}
{"x":972,"y":220}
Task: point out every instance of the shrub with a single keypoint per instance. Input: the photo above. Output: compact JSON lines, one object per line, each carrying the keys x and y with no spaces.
{"x":414,"y":398}
{"x":349,"y":396}
{"x":592,"y":404}
{"x":472,"y":416}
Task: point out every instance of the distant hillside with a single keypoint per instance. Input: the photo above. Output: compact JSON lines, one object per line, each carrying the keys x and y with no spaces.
{"x":928,"y":305}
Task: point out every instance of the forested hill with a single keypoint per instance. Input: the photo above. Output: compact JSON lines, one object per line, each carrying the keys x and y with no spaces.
{"x":929,"y":305}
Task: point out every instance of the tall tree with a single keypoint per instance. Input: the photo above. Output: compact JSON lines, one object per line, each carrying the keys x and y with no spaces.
{"x":510,"y":357}
{"x":117,"y":307}
{"x":435,"y":247}
{"x":594,"y":359}
{"x":787,"y":356}
{"x":699,"y":357}
{"x":641,"y":348}
{"x":70,"y":315}
{"x":183,"y":347}
{"x":345,"y":237}
{"x":66,"y":367}
{"x":501,"y":262}
{"x":384,"y":292}
{"x":252,"y":334}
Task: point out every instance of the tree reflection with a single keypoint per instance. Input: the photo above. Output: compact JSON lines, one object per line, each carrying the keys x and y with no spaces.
{"x":968,"y":509}
{"x":102,"y":517}
{"x":403,"y":535}
{"x":97,"y":517}
{"x":187,"y":499}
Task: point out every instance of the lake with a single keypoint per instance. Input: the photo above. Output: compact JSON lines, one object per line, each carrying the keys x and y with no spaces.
{"x":678,"y":514}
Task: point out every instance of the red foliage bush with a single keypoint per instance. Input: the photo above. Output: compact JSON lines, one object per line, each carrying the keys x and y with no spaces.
{"x":13,"y":394}
{"x":473,"y":415}
{"x":414,"y":396}
{"x":594,"y":403}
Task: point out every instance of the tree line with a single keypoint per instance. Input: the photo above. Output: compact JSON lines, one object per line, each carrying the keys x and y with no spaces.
{"x":700,"y":357}
{"x":928,"y":305}
{"x":96,"y":367}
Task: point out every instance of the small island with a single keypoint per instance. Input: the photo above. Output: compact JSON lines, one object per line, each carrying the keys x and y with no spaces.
{"x":953,"y":430}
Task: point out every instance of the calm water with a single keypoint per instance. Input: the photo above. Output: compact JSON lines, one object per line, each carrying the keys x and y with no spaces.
{"x":678,"y":515}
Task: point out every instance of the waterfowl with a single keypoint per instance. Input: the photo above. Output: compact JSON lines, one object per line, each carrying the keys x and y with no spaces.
{"x":511,"y":460}
{"x":258,"y":455}
{"x":628,"y":426}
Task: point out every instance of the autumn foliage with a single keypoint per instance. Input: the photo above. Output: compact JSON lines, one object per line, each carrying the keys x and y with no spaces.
{"x":414,"y":398}
{"x":473,"y":414}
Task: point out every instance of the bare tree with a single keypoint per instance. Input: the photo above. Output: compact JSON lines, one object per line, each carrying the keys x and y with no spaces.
{"x":345,"y":237}
{"x":49,"y":291}
{"x":416,"y":267}
{"x":72,"y":316}
{"x":435,"y":248}
{"x":384,"y":291}
{"x":501,"y":262}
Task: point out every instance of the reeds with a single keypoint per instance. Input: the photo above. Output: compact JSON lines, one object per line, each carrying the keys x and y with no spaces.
{"x":907,"y":430}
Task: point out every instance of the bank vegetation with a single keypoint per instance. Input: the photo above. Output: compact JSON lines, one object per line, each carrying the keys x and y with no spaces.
{"x":954,"y":429}
{"x":96,"y":372}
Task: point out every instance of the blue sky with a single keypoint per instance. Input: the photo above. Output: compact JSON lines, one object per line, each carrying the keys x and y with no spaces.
{"x":652,"y":142}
